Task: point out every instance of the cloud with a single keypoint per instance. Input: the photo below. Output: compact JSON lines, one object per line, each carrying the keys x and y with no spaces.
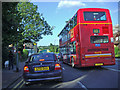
{"x":68,"y":4}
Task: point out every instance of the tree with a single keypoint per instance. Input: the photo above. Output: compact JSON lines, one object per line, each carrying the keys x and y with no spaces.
{"x":53,"y":48}
{"x":22,"y":16}
{"x":33,"y":23}
{"x":10,"y":22}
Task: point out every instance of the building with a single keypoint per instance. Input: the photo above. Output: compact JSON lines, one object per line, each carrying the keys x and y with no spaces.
{"x":116,"y":35}
{"x":28,"y":44}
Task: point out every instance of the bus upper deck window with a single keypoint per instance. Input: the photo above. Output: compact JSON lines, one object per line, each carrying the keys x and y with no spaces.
{"x":94,"y":16}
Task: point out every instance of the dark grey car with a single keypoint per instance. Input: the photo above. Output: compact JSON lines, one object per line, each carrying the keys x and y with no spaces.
{"x":42,"y":66}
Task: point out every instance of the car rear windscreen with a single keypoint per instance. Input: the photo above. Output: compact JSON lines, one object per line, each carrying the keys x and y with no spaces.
{"x":42,"y":57}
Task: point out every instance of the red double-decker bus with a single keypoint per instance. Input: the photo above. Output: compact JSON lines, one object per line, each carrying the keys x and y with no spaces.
{"x":87,"y":39}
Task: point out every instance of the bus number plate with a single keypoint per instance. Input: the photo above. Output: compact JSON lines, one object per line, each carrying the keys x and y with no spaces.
{"x":98,"y":64}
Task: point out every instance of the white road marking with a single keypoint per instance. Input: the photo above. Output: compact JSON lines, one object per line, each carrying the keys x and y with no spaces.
{"x":113,"y":69}
{"x":71,"y":84}
{"x":83,"y":86}
{"x":63,"y":68}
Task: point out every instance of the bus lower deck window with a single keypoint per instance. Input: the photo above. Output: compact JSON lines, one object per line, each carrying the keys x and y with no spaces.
{"x":99,"y":39}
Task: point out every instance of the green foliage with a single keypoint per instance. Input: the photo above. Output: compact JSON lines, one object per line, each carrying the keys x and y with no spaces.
{"x":51,"y":47}
{"x":117,"y":55}
{"x":10,"y":22}
{"x":22,"y":16}
{"x":25,"y":54}
{"x":117,"y":51}
{"x":32,"y":22}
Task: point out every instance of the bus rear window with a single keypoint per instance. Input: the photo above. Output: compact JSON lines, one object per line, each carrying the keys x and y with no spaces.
{"x":99,"y":39}
{"x":94,"y":16}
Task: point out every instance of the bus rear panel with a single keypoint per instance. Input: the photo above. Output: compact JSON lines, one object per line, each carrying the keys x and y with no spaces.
{"x":91,"y":39}
{"x":96,"y":37}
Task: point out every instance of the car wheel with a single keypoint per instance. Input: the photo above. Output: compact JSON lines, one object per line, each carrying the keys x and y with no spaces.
{"x":72,"y":62}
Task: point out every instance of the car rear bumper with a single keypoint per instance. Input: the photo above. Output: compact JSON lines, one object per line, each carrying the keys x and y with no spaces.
{"x":42,"y":76}
{"x":42,"y":79}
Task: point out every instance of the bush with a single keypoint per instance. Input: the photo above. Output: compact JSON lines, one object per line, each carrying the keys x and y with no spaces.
{"x":25,"y":54}
{"x":117,"y":55}
{"x":116,"y":50}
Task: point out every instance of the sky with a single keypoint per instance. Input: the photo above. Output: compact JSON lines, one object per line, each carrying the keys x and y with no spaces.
{"x":56,"y":13}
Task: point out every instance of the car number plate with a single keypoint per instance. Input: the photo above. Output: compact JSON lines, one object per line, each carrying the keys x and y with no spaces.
{"x":98,"y":64}
{"x":41,"y":68}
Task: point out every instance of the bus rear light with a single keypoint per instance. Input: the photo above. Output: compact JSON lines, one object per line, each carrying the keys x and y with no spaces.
{"x":105,"y":30}
{"x":26,"y":69}
{"x":57,"y":67}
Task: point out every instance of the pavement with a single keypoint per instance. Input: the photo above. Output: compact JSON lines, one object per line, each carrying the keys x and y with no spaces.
{"x":10,"y":76}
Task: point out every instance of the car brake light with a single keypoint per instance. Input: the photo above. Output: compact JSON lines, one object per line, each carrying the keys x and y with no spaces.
{"x":57,"y":67}
{"x":26,"y":69}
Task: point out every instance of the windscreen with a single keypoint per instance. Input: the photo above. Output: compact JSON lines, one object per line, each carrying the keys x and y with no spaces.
{"x":99,"y":39}
{"x":42,"y":57}
{"x":94,"y":16}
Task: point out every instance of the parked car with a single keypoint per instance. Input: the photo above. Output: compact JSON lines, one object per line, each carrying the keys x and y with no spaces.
{"x":60,"y":57}
{"x":43,"y":66}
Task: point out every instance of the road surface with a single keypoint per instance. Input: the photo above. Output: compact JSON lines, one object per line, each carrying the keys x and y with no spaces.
{"x":85,"y":78}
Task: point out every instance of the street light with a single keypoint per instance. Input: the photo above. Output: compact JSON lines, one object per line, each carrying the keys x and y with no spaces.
{"x":17,"y":69}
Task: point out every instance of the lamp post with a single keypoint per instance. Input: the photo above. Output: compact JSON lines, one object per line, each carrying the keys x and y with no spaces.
{"x":17,"y":69}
